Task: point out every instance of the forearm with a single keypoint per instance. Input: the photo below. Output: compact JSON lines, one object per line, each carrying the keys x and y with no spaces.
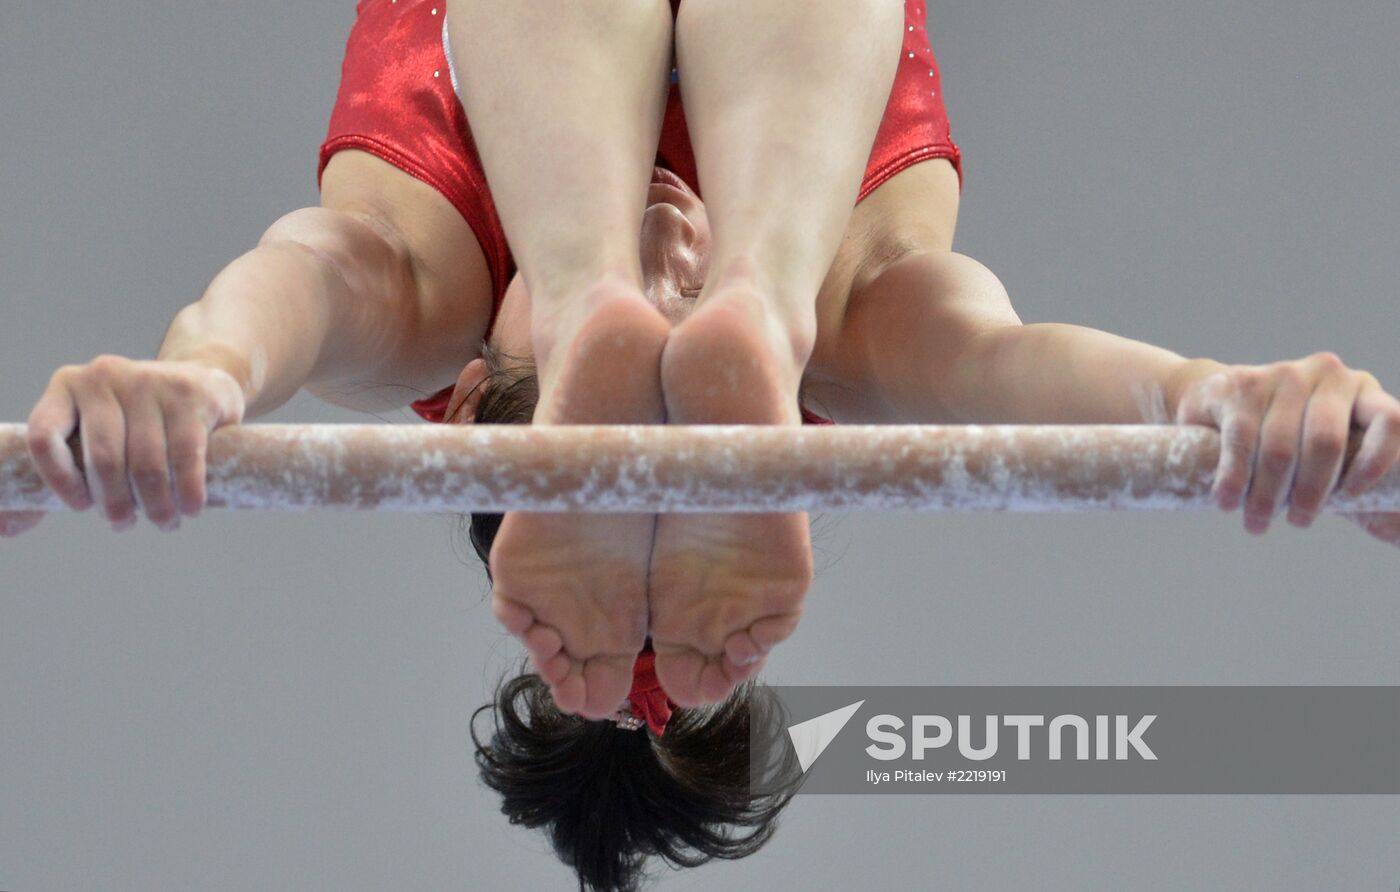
{"x":323,"y":297}
{"x":1053,"y":373}
{"x":936,"y":341}
{"x":264,"y":320}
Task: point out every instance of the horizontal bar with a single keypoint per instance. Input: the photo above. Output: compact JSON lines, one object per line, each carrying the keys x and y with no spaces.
{"x":671,"y":469}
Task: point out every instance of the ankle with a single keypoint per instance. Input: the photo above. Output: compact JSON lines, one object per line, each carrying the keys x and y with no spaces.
{"x":559,"y":291}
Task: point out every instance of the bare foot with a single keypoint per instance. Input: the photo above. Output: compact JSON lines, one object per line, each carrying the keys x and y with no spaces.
{"x":725,"y":588}
{"x":573,"y":587}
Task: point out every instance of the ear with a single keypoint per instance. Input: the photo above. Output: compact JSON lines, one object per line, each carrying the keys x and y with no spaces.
{"x":472,"y":384}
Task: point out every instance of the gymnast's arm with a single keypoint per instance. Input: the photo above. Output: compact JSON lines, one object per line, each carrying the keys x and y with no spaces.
{"x":369,"y":301}
{"x":382,"y":285}
{"x":933,"y":338}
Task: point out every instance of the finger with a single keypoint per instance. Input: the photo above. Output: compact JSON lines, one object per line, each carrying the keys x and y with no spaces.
{"x":148,"y":464}
{"x":1214,"y":403}
{"x":1280,"y":434}
{"x":1326,"y":422}
{"x":1239,"y":439}
{"x":52,"y":421}
{"x":12,"y":523}
{"x":103,"y":427}
{"x":1379,"y":413}
{"x":187,"y":439}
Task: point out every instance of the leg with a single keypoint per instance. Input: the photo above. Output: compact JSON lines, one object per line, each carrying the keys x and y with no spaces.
{"x":783,"y":101}
{"x":566,"y":102}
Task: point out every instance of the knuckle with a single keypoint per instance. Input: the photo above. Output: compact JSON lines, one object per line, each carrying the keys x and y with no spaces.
{"x":1327,"y":360}
{"x":105,"y":461}
{"x":1291,"y":374}
{"x":134,"y":384}
{"x":1328,"y":444}
{"x":1245,"y":377}
{"x":181,"y":388}
{"x":108,"y":363}
{"x":37,"y":439}
{"x":148,"y":476}
{"x":1256,"y":385}
{"x":1275,"y":459}
{"x":1241,"y":437}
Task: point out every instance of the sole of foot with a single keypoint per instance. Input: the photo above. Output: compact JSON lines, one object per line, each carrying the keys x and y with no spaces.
{"x":573,"y":587}
{"x":726,"y":588}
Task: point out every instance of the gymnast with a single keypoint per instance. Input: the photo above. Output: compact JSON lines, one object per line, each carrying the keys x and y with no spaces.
{"x":817,"y":270}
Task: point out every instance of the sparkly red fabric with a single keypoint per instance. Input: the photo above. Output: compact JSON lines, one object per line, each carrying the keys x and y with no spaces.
{"x":397,"y":102}
{"x":648,"y":701}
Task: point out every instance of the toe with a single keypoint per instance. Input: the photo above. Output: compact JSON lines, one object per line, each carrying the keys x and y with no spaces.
{"x":608,"y":680}
{"x":738,"y":673}
{"x":569,"y":694}
{"x":679,"y":668}
{"x":514,"y":616}
{"x":715,"y":683}
{"x":771,"y":630}
{"x":552,"y":669}
{"x":542,"y":642}
{"x":741,"y":649}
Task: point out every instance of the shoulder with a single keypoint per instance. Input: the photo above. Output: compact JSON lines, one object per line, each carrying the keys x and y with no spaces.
{"x":915,"y":210}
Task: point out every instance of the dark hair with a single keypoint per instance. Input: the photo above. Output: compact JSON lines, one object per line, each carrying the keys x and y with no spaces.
{"x":610,"y":798}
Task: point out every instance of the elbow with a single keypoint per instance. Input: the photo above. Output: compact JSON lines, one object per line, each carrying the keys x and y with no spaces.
{"x":372,"y":272}
{"x":371,"y":259}
{"x":369,"y":296}
{"x":944,"y":299}
{"x":925,"y":327}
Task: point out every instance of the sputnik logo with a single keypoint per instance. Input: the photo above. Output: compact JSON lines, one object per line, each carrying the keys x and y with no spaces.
{"x":811,"y":737}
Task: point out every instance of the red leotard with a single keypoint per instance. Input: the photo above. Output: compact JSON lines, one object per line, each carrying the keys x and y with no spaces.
{"x":397,"y":102}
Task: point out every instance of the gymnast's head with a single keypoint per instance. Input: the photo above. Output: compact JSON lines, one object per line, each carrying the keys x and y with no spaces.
{"x":610,"y":797}
{"x":674,"y":247}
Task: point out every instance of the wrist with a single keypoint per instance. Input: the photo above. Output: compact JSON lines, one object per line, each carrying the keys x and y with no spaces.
{"x":182,"y":345}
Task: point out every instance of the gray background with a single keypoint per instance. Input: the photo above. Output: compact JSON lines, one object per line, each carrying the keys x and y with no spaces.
{"x":281,"y":702}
